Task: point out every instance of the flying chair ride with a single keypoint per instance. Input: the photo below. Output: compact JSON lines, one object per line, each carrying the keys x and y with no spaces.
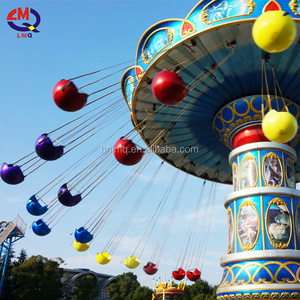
{"x":226,"y":80}
{"x":217,"y":96}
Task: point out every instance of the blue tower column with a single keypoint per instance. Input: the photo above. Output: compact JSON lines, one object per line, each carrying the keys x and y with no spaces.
{"x":263,"y":260}
{"x":263,"y":213}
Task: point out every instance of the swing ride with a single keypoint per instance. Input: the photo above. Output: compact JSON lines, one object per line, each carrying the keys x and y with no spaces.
{"x":224,"y":81}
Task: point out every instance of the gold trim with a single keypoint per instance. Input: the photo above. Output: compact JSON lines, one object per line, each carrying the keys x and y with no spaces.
{"x":296,"y":218}
{"x":248,"y":157}
{"x":248,"y":246}
{"x":203,"y":15}
{"x":265,"y":102}
{"x":264,"y":9}
{"x":244,"y":114}
{"x":162,"y":22}
{"x":218,"y":117}
{"x":261,"y":296}
{"x":232,"y":111}
{"x":234,"y":271}
{"x":293,"y":5}
{"x":279,"y":245}
{"x":125,"y":85}
{"x":293,"y":220}
{"x":259,"y":171}
{"x":170,"y":33}
{"x":289,"y":160}
{"x":187,"y":32}
{"x":230,"y":214}
{"x":272,"y":155}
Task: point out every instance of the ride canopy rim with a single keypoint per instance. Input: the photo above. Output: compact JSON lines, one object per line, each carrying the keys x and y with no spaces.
{"x":143,"y":101}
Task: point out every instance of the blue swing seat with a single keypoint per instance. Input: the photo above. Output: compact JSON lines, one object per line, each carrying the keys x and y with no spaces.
{"x":34,"y":207}
{"x":83,"y":236}
{"x":40,"y":228}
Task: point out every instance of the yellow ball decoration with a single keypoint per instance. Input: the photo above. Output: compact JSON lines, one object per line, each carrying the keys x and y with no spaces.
{"x":274,"y":31}
{"x":279,"y":127}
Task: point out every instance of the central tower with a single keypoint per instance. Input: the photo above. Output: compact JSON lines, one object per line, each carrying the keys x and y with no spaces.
{"x":263,"y":211}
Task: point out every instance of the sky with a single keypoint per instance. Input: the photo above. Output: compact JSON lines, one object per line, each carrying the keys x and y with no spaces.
{"x":75,"y":38}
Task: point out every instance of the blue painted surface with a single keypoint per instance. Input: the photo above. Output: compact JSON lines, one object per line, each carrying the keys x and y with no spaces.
{"x":82,"y":235}
{"x":40,"y":228}
{"x":34,"y":207}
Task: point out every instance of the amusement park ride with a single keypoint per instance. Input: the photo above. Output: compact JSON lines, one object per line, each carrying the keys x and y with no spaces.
{"x":10,"y":232}
{"x":226,"y":79}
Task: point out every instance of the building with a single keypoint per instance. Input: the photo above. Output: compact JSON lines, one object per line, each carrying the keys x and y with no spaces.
{"x":101,"y":280}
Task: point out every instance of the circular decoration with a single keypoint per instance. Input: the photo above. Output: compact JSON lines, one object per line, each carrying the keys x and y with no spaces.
{"x":290,"y":173}
{"x":230,"y":229}
{"x":249,"y":171}
{"x":248,"y":225}
{"x":235,"y":177}
{"x":297,"y":221}
{"x":278,"y":222}
{"x":272,"y":170}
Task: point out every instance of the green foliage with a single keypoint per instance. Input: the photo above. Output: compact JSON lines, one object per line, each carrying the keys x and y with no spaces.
{"x":85,"y":288}
{"x":127,"y":287}
{"x":9,"y":286}
{"x":141,"y":293}
{"x":200,"y":290}
{"x":21,"y":258}
{"x":38,"y":278}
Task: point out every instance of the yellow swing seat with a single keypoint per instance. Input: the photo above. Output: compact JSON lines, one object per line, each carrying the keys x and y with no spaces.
{"x":131,"y":262}
{"x":80,"y":246}
{"x":103,"y":258}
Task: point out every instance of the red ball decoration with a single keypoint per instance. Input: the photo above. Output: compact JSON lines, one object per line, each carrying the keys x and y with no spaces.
{"x":168,"y":88}
{"x":127,"y":153}
{"x":67,"y":97}
{"x":248,"y":135}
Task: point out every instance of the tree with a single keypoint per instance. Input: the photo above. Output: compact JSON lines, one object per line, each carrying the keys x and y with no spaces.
{"x":21,"y":258}
{"x":8,"y":287}
{"x":141,"y":293}
{"x":127,"y":287}
{"x":85,"y":288}
{"x":38,"y":278}
{"x":200,"y":290}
